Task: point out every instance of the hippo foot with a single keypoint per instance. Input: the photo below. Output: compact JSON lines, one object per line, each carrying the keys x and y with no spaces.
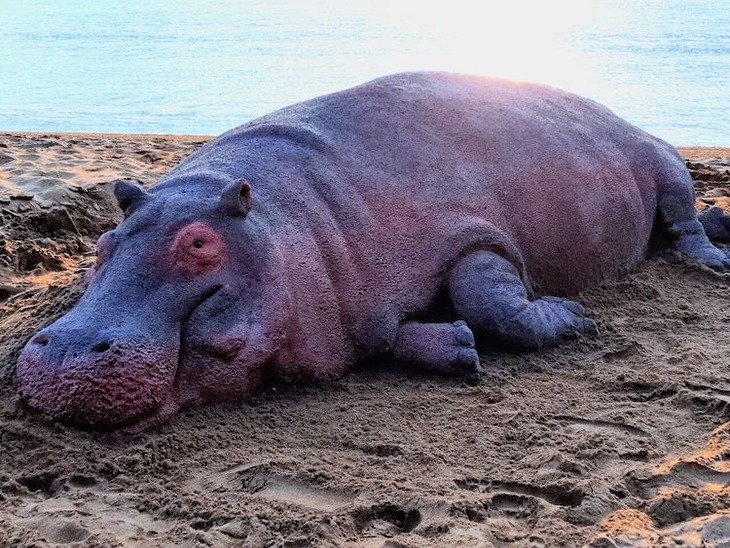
{"x":546,"y":322}
{"x":716,"y":224}
{"x":441,"y":347}
{"x":572,"y":318}
{"x":701,"y":250}
{"x":466,"y":360}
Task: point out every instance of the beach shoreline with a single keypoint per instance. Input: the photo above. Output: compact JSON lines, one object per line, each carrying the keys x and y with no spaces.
{"x":688,"y":149}
{"x":620,"y":438}
{"x":102,"y":135}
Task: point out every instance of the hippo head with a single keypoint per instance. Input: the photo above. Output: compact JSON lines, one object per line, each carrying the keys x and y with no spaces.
{"x":183,"y":307}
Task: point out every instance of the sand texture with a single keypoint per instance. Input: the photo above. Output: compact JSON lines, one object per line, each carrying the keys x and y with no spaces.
{"x":620,"y":440}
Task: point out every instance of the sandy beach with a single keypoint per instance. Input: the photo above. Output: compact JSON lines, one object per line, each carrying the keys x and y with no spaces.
{"x":620,"y":440}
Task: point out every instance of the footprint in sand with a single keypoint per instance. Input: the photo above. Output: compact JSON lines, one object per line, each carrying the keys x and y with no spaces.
{"x":386,"y":519}
{"x":566,"y":494}
{"x":641,"y":391}
{"x":706,"y":400}
{"x":601,"y":426}
{"x":57,"y":530}
{"x":298,"y":493}
{"x":508,"y":516}
{"x":256,"y":480}
{"x":511,"y":517}
{"x":683,"y":475}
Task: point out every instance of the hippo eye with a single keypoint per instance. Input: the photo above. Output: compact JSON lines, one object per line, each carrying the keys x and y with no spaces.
{"x":198,"y":247}
{"x":202,"y":248}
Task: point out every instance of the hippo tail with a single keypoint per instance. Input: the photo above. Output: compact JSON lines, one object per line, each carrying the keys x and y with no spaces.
{"x":716,"y":223}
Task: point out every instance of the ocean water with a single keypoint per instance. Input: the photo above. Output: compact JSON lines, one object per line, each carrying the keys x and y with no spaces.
{"x":196,"y":67}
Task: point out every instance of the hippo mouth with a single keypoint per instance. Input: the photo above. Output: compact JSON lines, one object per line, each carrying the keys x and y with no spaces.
{"x":125,"y":386}
{"x":96,"y":390}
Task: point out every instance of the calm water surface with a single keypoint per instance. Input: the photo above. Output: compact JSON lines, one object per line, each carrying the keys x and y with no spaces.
{"x":146,"y":66}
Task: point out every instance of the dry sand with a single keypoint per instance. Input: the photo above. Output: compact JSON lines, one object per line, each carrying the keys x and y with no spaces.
{"x":614,"y":441}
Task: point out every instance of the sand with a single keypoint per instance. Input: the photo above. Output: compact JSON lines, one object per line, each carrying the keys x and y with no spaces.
{"x":620,"y":440}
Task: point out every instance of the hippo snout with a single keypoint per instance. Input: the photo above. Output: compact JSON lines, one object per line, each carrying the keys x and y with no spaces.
{"x":95,"y":378}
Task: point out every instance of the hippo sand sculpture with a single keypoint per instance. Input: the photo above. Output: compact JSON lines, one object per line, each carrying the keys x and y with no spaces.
{"x":328,"y":232}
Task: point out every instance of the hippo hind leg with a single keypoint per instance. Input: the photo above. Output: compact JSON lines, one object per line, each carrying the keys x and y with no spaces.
{"x":675,"y":201}
{"x":488,"y":293}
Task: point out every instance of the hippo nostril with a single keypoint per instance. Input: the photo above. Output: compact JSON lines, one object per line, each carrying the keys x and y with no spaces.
{"x":101,"y":347}
{"x":40,"y":340}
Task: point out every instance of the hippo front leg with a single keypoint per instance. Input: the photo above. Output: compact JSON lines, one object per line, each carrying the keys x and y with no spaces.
{"x":487,"y":292}
{"x":446,"y":348}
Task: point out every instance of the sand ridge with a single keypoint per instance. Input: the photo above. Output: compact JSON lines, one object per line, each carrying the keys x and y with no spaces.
{"x":614,"y":441}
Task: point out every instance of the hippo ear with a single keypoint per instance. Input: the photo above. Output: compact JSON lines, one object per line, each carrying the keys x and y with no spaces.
{"x":126,"y":192}
{"x":236,"y":199}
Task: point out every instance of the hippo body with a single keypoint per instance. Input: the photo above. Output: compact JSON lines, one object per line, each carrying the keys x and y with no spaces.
{"x":327,"y":232}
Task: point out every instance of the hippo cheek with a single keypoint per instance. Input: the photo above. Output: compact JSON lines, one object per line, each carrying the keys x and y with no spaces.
{"x":218,"y":381}
{"x":221,"y":368}
{"x":104,"y":388}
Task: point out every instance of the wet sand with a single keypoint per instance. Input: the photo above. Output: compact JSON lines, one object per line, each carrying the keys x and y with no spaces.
{"x":614,"y":441}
